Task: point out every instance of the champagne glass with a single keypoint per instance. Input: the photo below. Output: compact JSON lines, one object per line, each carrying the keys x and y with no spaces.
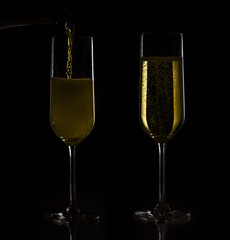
{"x":72,"y":110}
{"x":162,"y":107}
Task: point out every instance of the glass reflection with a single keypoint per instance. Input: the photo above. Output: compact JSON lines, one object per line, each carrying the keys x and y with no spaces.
{"x":147,"y":229}
{"x":70,"y":231}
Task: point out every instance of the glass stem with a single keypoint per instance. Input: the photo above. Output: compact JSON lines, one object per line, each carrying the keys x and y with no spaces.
{"x":72,"y":179}
{"x":162,"y":205}
{"x":162,"y":230}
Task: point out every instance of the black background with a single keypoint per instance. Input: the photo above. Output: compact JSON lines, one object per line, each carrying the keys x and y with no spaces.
{"x":117,"y":163}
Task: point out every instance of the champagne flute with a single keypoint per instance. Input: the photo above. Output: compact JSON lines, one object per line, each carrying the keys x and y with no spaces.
{"x":72,"y":110}
{"x":162,"y":107}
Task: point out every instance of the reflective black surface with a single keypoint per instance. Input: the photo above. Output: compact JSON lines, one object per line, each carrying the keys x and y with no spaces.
{"x":138,"y":231}
{"x":119,"y":223}
{"x":117,"y":164}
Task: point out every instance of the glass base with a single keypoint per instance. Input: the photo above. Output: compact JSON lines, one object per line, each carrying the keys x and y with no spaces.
{"x":167,"y":217}
{"x":68,"y":218}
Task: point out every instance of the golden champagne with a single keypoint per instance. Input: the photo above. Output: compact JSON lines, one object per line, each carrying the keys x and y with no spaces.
{"x":162,"y":99}
{"x":72,"y":108}
{"x":69,"y":67}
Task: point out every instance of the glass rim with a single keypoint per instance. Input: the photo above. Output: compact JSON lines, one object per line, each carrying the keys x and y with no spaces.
{"x":162,"y":33}
{"x":63,"y":36}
